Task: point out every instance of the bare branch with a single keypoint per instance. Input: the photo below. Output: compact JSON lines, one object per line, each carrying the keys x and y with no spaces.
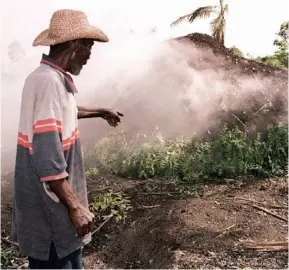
{"x":270,"y":213}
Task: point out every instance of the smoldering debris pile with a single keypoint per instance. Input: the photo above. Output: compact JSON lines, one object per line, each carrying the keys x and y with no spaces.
{"x":261,"y":88}
{"x":194,"y":85}
{"x":233,"y":63}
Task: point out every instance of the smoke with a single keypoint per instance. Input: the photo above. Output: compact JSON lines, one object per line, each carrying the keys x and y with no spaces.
{"x":176,"y":87}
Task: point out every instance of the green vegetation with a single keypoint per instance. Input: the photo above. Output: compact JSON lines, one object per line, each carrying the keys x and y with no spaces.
{"x":10,"y":257}
{"x":111,"y":205}
{"x":231,"y":154}
{"x":280,"y":57}
{"x":236,"y":51}
{"x":5,"y":258}
{"x":217,"y":25}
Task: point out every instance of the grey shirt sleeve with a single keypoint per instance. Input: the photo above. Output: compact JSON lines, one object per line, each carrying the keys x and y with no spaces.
{"x":48,"y":156}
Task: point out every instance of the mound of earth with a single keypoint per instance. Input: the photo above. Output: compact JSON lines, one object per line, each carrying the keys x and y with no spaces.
{"x":258,"y":96}
{"x":233,"y":62}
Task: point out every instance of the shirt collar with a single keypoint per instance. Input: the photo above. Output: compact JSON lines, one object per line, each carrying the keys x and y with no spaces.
{"x":68,"y":79}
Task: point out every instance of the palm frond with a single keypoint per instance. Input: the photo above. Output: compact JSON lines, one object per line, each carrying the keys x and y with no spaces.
{"x":218,"y":27}
{"x":221,"y":3}
{"x":202,"y":12}
{"x":179,"y":20}
{"x":226,"y":9}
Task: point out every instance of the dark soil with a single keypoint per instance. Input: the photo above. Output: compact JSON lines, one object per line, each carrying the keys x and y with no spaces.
{"x":184,"y":228}
{"x":185,"y":231}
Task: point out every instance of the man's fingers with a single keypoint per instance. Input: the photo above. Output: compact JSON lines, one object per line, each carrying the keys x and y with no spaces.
{"x":80,"y":231}
{"x":89,"y":227}
{"x":87,"y":211}
{"x":85,"y":229}
{"x":112,"y":122}
{"x":116,"y":118}
{"x":84,"y":209}
{"x":113,"y":118}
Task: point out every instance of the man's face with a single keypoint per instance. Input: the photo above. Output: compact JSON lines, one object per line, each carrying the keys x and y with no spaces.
{"x":80,"y":56}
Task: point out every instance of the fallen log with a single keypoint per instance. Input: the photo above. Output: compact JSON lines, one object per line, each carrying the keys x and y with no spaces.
{"x":261,"y":203}
{"x":266,"y":246}
{"x":270,"y":213}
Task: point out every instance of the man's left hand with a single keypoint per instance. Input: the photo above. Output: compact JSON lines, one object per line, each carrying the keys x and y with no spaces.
{"x":112,"y":117}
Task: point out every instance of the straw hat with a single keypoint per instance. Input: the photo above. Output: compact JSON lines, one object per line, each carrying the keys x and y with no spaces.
{"x":66,"y":25}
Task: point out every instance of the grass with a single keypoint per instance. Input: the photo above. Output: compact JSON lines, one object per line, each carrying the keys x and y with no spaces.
{"x":231,"y":154}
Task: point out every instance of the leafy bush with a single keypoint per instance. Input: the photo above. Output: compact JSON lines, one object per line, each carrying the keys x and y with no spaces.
{"x":231,"y":154}
{"x":5,"y":258}
{"x":236,"y":51}
{"x":111,"y":205}
{"x":280,"y":56}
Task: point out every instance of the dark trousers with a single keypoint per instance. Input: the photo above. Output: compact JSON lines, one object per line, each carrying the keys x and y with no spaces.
{"x":72,"y":261}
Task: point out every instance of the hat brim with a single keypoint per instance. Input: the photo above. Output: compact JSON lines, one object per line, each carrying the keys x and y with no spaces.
{"x":89,"y":32}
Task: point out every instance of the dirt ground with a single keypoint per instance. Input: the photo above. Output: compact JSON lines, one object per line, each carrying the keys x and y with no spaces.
{"x":182,"y":225}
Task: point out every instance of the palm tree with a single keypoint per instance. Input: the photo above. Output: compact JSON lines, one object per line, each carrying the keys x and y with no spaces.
{"x":217,"y":25}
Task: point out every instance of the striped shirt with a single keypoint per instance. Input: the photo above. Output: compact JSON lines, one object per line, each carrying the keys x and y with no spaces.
{"x":48,"y":149}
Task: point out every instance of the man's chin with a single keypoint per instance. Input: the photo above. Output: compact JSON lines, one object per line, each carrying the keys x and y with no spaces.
{"x":75,"y":72}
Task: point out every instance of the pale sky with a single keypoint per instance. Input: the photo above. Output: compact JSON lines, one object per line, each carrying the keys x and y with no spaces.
{"x":251,"y":24}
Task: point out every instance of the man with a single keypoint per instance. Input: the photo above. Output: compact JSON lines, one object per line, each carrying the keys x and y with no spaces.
{"x":51,"y":220}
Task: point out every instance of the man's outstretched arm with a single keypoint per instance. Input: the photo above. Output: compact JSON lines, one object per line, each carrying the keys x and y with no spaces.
{"x":85,"y":112}
{"x":111,"y":116}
